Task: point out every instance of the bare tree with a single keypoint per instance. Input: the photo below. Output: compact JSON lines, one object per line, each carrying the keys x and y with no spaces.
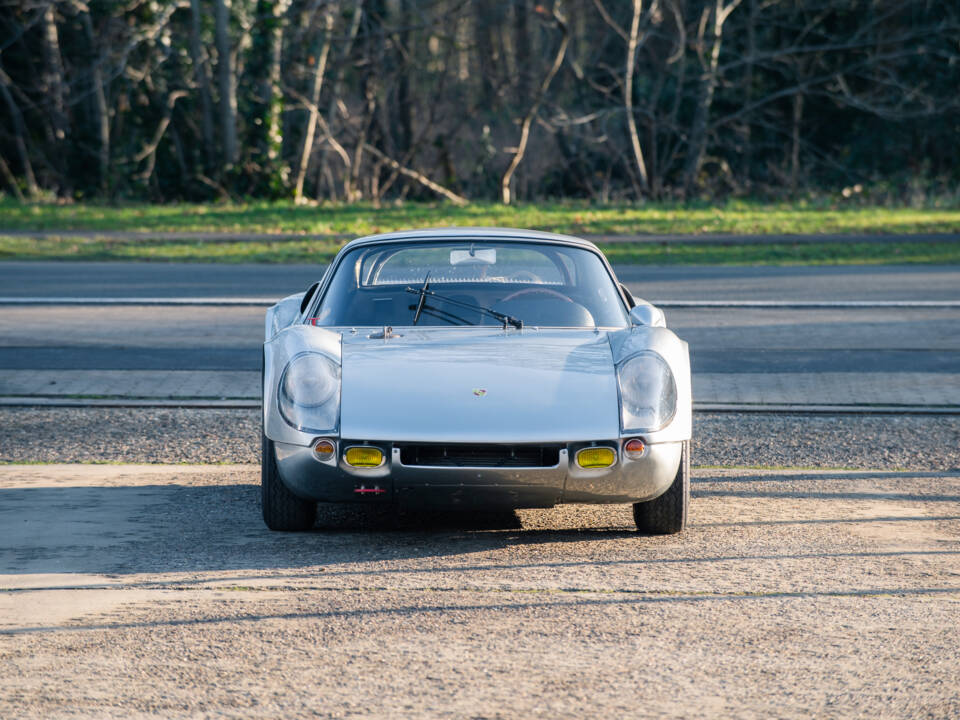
{"x":97,"y":90}
{"x":201,"y":76}
{"x":709,"y":41}
{"x":227,"y":83}
{"x":19,"y":134}
{"x":403,"y":99}
{"x":505,"y":197}
{"x":319,"y":69}
{"x":55,"y":86}
{"x":628,"y":93}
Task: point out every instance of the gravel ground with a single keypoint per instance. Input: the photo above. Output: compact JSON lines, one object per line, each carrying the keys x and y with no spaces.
{"x":159,"y":593}
{"x":232,"y":436}
{"x":155,"y":590}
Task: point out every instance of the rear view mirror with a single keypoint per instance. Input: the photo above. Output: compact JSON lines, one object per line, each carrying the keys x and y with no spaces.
{"x":474,"y":256}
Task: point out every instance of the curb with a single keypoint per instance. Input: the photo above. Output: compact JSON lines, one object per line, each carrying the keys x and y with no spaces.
{"x":813,"y":409}
{"x":254,"y":403}
{"x":126,"y":402}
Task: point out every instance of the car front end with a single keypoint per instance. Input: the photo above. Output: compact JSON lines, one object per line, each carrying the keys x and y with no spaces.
{"x":478,"y":416}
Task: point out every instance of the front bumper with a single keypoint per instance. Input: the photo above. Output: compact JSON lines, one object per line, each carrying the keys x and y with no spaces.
{"x":627,"y":480}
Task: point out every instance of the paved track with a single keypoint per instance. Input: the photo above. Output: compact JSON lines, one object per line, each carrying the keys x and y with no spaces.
{"x":67,"y":279}
{"x":722,"y":340}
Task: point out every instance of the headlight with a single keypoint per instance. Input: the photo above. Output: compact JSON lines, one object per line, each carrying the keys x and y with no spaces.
{"x":310,"y":393}
{"x":648,"y":393}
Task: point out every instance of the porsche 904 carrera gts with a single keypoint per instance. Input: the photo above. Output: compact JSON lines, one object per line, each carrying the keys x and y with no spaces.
{"x":469,"y":367}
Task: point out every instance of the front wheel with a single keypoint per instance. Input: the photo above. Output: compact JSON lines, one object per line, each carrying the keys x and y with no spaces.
{"x":282,"y":510}
{"x":667,"y":514}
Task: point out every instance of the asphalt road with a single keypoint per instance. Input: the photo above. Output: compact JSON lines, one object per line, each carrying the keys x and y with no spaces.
{"x":722,"y":340}
{"x":66,"y":279}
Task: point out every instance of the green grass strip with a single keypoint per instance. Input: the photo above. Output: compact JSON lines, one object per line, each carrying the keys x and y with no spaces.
{"x":737,"y":217}
{"x":321,"y":251}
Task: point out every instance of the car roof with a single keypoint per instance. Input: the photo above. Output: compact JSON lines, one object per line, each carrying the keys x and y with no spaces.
{"x":471,"y":233}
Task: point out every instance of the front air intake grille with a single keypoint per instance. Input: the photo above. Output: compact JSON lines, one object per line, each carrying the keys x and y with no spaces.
{"x":480,"y":455}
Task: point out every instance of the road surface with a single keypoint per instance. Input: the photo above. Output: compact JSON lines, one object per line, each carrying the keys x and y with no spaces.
{"x":872,"y":340}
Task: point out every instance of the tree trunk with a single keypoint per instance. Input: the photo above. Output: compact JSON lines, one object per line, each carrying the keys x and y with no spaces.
{"x":101,"y":113}
{"x":748,"y":90}
{"x":266,"y":138}
{"x":225,"y":76}
{"x":201,"y":75}
{"x":795,"y":141}
{"x":319,"y":69}
{"x":10,"y":179}
{"x":708,"y":85}
{"x":404,"y":110}
{"x":484,"y":18}
{"x":54,"y":85}
{"x":341,"y":65}
{"x":521,"y":51}
{"x":19,"y":134}
{"x":628,"y":94}
{"x":505,"y":196}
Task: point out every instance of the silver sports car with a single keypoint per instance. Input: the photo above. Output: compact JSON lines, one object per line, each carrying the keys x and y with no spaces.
{"x":473,"y":366}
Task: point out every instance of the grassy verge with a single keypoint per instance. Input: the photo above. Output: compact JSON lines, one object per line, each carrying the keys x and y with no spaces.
{"x":321,"y":251}
{"x":738,"y":217}
{"x":343,"y":221}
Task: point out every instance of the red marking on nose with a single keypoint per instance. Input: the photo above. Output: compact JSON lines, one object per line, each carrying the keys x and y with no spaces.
{"x":366,"y":491}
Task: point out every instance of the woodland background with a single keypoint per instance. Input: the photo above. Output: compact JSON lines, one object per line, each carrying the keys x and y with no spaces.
{"x":379,"y":100}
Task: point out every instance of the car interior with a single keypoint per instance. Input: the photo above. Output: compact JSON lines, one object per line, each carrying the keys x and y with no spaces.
{"x":470,"y":284}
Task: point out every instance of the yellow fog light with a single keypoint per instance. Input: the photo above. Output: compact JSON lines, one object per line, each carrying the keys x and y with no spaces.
{"x":364,"y":457}
{"x":324,"y":449}
{"x":596,"y":457}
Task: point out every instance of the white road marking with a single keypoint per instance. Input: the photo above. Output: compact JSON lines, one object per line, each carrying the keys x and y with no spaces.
{"x":266,"y":302}
{"x":807,"y":304}
{"x":214,"y":301}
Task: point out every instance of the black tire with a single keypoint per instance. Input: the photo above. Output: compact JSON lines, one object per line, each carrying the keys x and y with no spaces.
{"x":282,"y":510}
{"x":667,"y":514}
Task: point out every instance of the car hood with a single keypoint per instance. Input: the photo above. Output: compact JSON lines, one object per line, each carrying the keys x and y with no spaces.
{"x":478,"y":386}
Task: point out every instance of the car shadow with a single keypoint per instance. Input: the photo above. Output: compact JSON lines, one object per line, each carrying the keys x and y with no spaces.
{"x":183,"y":529}
{"x":178,"y":528}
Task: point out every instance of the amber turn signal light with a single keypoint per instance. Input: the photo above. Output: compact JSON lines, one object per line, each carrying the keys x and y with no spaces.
{"x":596,"y":457}
{"x":324,"y":449}
{"x":364,"y":457}
{"x":634,"y":449}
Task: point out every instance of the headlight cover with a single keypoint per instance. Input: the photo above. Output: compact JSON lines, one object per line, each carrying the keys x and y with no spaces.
{"x":309,"y":393}
{"x":648,"y":393}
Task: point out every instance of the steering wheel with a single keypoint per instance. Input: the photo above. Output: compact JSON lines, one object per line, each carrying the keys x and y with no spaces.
{"x":531,"y":291}
{"x":525,"y":276}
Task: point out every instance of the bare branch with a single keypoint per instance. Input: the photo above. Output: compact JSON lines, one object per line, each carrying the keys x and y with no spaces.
{"x":532,"y":112}
{"x":419,"y":177}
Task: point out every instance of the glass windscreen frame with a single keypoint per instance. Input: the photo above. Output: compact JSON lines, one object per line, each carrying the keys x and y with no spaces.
{"x":543,"y":284}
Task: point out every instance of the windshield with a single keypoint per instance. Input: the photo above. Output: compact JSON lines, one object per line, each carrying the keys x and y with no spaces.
{"x":539,"y":284}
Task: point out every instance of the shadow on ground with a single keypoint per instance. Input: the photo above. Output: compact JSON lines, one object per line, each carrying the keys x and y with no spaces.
{"x":179,"y":528}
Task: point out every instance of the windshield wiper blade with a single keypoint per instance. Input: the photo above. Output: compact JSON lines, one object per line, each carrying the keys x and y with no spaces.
{"x":443,"y":315}
{"x":423,"y":297}
{"x":424,"y":292}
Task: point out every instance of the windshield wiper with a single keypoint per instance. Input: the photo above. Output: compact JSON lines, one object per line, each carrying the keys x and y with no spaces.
{"x":423,"y":297}
{"x":425,"y":291}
